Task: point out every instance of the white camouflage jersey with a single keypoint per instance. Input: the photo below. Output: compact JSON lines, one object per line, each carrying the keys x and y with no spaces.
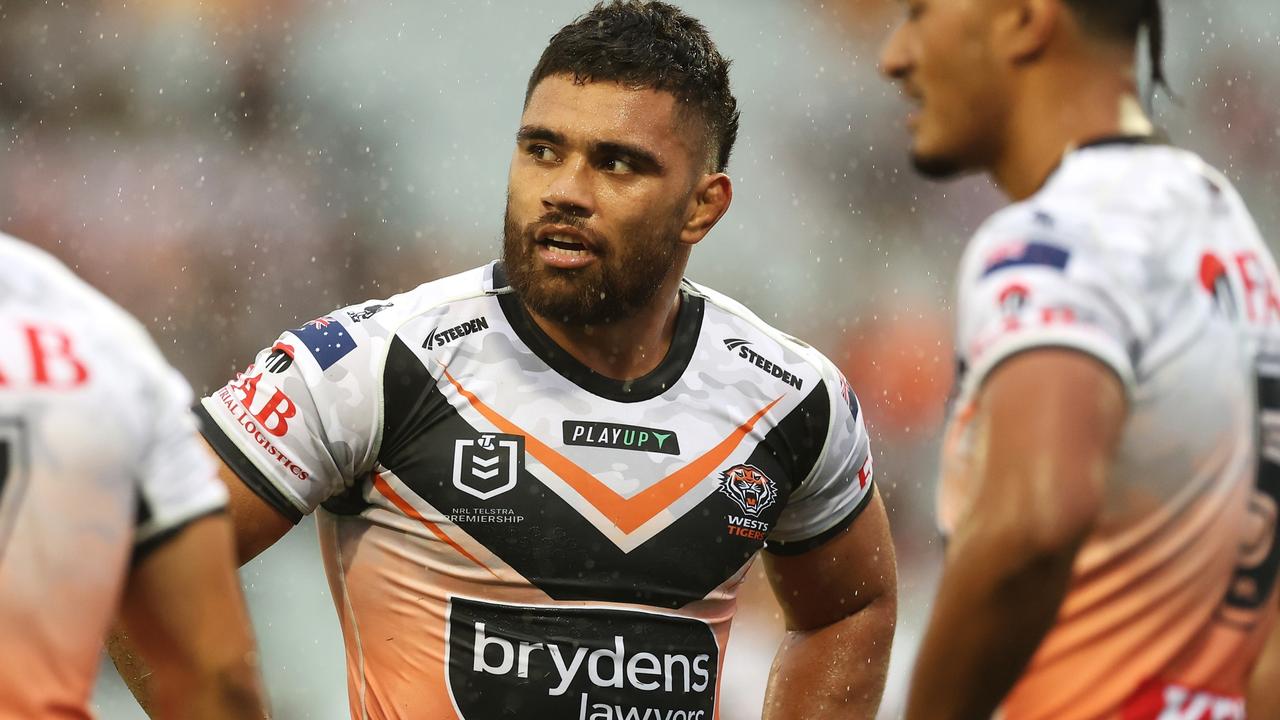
{"x":1146,"y":259}
{"x":509,"y":534}
{"x":100,"y":461}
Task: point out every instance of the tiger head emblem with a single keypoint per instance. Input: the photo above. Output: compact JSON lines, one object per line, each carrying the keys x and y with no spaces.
{"x":749,"y":487}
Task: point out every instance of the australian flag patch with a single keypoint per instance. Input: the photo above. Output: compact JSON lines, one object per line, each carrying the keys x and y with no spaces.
{"x":326,"y":339}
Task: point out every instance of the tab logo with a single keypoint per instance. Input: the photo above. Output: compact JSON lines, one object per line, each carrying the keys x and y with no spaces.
{"x":617,"y":436}
{"x":488,"y":466}
{"x":439,"y":338}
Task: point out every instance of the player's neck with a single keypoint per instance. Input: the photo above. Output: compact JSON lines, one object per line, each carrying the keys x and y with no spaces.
{"x":623,"y":349}
{"x":1063,"y":108}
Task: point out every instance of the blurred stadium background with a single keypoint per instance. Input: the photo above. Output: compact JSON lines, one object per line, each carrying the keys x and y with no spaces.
{"x":230,"y":168}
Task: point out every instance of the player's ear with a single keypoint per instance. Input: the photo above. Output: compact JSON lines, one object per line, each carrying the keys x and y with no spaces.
{"x":1023,"y":28}
{"x":707,"y":204}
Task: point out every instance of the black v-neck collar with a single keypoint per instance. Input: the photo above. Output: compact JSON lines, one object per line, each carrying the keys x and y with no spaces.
{"x":656,"y":382}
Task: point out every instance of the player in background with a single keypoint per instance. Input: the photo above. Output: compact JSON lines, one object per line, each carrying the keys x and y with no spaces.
{"x":539,"y":484}
{"x":108,"y":503}
{"x":1110,"y":477}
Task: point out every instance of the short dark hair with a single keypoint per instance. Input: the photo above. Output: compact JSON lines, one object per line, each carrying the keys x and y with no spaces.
{"x":1124,"y":20}
{"x":649,"y":45}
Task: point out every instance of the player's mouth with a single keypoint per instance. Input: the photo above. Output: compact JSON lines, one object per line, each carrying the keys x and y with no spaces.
{"x":915,"y":102}
{"x":565,"y":247}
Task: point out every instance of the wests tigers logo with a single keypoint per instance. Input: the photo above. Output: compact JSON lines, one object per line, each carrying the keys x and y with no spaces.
{"x":749,"y":487}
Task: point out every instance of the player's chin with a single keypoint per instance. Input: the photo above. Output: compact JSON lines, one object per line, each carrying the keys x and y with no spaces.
{"x":936,"y":166}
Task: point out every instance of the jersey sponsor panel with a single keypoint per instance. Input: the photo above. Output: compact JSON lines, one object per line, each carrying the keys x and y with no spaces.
{"x":458,"y":434}
{"x":1171,"y":597}
{"x":578,"y":662}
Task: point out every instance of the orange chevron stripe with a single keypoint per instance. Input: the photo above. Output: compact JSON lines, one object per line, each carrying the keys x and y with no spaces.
{"x":626,"y":513}
{"x":412,"y":512}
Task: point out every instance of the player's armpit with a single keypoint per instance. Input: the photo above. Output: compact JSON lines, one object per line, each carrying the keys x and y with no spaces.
{"x":184,"y":612}
{"x":840,"y":601}
{"x":1048,"y":424}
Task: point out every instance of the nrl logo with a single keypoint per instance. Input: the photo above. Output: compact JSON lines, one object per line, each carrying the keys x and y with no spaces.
{"x":749,"y":487}
{"x":489,"y":465}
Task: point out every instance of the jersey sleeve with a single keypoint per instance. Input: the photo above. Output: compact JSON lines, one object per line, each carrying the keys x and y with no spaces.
{"x":1028,"y":284}
{"x":176,"y":479}
{"x":839,"y":486}
{"x":300,"y":424}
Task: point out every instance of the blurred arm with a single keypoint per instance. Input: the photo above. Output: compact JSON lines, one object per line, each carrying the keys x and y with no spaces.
{"x":255,"y":525}
{"x":840,"y":601}
{"x":1049,"y":423}
{"x":184,"y":611}
{"x":1264,"y":690}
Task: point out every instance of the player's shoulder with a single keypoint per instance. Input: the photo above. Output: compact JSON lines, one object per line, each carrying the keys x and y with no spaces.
{"x":1111,"y":207}
{"x":1136,"y":182}
{"x":37,"y":286}
{"x":382,"y":318}
{"x":358,"y":337}
{"x":747,"y":336}
{"x":386,"y":315}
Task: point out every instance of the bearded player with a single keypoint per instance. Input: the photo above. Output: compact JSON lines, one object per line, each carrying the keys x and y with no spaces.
{"x":540,"y":483}
{"x":98,"y":517}
{"x":1109,"y":478}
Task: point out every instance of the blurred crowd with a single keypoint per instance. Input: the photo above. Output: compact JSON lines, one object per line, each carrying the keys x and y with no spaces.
{"x":227,"y":169}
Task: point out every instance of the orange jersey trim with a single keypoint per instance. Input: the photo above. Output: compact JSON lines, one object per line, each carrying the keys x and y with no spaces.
{"x":626,"y":513}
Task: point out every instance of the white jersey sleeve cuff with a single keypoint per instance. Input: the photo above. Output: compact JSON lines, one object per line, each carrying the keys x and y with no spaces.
{"x":1079,"y":337}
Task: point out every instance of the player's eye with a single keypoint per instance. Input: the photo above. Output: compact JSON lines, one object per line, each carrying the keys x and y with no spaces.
{"x":617,"y":166}
{"x":542,"y":153}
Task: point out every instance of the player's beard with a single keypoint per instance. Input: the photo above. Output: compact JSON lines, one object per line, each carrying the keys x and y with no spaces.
{"x":936,"y":167}
{"x":623,"y":280}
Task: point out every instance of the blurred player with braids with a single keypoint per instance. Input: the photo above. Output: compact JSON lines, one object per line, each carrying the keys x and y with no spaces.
{"x":540,"y":483}
{"x":1110,"y":474}
{"x":108,"y":502}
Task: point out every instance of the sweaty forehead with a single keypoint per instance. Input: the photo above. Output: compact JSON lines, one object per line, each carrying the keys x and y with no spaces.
{"x":609,"y":112}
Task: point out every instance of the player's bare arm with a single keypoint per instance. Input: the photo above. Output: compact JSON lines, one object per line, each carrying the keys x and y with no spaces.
{"x":255,"y":526}
{"x":1049,"y":421}
{"x":185,"y":613}
{"x":840,"y":602}
{"x":1263,"y":700}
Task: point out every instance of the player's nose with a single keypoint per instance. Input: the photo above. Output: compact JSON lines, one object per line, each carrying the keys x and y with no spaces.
{"x":895,"y":58}
{"x":570,"y":189}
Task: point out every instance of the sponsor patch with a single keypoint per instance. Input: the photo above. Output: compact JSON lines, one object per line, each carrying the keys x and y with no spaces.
{"x":439,"y":337}
{"x":866,"y":472}
{"x":367,"y":312}
{"x":1157,"y":700}
{"x":251,"y":425}
{"x":326,"y":339}
{"x":1027,"y":254}
{"x":746,"y":352}
{"x":749,"y":488}
{"x":1012,"y":299}
{"x":488,"y":466}
{"x":571,"y":663}
{"x":617,"y":436}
